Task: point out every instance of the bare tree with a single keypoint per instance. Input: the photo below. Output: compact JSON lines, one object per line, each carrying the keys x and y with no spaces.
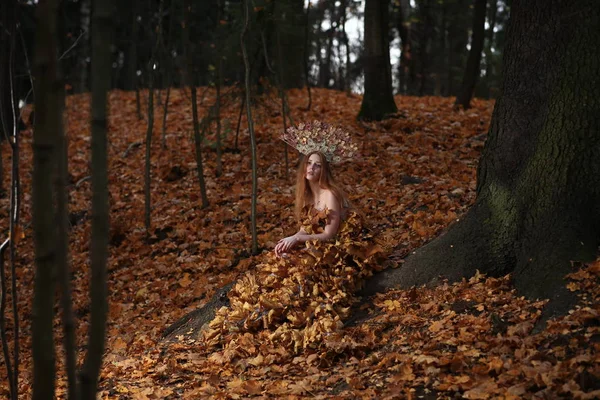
{"x":168,"y":74}
{"x":250,"y":125}
{"x":149,"y":130}
{"x":195,"y":119}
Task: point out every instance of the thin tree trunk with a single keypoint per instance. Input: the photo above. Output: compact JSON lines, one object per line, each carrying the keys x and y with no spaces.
{"x":195,"y":119}
{"x":169,"y":73}
{"x":198,"y":146}
{"x":15,"y":191}
{"x":48,"y":124}
{"x":346,"y":40}
{"x":102,"y":39}
{"x":237,"y":131}
{"x":325,"y":67}
{"x":218,"y":83}
{"x":246,"y":13}
{"x":10,"y":373}
{"x":282,"y":96}
{"x":474,"y":60}
{"x":147,"y":177}
{"x":306,"y":54}
{"x":138,"y":101}
{"x":150,"y":129}
{"x":165,"y":113}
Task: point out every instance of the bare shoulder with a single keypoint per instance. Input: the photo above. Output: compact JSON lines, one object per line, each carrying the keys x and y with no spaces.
{"x":331,"y":201}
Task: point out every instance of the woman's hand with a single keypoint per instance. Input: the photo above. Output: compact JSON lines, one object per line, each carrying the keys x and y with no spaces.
{"x":285,"y":244}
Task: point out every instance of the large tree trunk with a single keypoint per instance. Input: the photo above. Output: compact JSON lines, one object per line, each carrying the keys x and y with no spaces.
{"x":378,"y":100}
{"x":538,"y":204}
{"x":102,"y":40}
{"x":472,"y":69}
{"x":48,"y":125}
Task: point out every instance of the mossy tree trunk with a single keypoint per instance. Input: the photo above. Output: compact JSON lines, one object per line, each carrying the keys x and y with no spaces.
{"x":538,"y":189}
{"x":378,"y":99}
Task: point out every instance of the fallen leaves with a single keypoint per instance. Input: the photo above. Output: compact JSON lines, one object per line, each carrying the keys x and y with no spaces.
{"x":416,"y":175}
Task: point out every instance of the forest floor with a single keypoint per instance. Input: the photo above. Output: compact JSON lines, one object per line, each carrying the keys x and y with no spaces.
{"x":415,"y":176}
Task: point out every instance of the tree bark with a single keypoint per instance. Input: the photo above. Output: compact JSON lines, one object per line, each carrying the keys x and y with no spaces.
{"x":102,"y":40}
{"x":48,"y":124}
{"x":246,"y":14}
{"x":538,"y":185}
{"x":472,"y":69}
{"x":378,"y":99}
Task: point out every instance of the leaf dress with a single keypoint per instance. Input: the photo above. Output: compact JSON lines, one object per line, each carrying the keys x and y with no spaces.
{"x":296,"y":301}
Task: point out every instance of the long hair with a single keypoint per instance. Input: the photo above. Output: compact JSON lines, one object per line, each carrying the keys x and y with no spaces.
{"x":304,"y":194}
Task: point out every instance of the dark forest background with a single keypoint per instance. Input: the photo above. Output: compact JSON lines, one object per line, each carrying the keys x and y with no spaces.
{"x":180,"y":42}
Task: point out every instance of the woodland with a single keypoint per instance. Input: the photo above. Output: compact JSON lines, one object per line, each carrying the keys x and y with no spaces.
{"x":142,"y":174}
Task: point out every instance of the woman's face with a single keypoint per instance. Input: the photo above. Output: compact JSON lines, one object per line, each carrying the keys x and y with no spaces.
{"x":313,"y":168}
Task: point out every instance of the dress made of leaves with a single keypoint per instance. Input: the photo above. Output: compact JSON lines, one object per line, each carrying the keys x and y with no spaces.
{"x":299,"y":300}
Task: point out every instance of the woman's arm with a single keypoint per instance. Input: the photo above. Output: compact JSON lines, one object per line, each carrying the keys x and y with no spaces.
{"x":333,"y":224}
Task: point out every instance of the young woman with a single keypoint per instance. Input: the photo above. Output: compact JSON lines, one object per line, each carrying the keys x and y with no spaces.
{"x":300,"y":295}
{"x":315,"y":186}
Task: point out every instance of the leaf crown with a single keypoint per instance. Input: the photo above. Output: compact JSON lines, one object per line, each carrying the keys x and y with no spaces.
{"x":334,"y":142}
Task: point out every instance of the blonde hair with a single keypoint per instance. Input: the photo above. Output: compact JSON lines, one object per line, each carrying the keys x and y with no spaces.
{"x":304,"y":194}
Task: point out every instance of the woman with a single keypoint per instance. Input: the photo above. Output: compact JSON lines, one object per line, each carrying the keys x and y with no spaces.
{"x":298,"y":296}
{"x":315,"y":186}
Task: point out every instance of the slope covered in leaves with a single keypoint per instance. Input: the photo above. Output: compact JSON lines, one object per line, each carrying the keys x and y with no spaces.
{"x":415,"y":176}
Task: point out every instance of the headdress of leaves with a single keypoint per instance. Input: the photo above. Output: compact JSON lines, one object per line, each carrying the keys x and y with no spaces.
{"x":334,"y":142}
